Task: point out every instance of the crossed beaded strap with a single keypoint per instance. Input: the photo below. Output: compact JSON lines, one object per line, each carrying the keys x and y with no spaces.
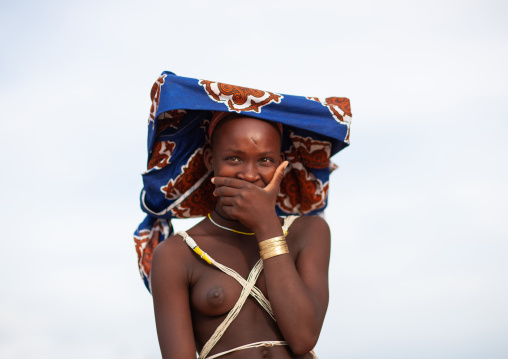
{"x":288,"y":221}
{"x":256,"y":293}
{"x":233,"y":313}
{"x":248,"y":288}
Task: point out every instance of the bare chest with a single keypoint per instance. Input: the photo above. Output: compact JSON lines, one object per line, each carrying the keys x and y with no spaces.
{"x":214,"y":293}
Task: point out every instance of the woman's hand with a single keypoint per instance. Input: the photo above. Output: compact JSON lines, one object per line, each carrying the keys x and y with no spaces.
{"x":253,"y":206}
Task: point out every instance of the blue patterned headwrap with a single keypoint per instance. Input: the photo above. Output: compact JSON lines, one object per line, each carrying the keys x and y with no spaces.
{"x":177,"y":182}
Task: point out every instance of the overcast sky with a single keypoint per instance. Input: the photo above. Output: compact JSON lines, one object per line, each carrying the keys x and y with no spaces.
{"x":417,"y":209}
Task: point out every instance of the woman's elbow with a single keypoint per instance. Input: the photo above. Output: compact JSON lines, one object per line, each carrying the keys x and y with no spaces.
{"x":303,"y":344}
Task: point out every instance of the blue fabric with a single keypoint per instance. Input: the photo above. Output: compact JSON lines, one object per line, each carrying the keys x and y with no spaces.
{"x":177,"y":183}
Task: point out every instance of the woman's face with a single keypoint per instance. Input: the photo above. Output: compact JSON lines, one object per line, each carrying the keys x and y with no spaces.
{"x":245,"y":148}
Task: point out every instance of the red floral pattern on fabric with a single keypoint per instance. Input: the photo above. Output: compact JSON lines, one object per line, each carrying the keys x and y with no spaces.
{"x":161,"y":154}
{"x":238,"y":98}
{"x":313,"y":153}
{"x":340,"y":108}
{"x":200,"y":201}
{"x":145,"y":244}
{"x":155,"y":96}
{"x":300,"y":191}
{"x":169,"y":119}
{"x":340,"y":102}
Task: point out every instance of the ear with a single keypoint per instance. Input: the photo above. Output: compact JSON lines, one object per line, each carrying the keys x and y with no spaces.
{"x":208,"y":158}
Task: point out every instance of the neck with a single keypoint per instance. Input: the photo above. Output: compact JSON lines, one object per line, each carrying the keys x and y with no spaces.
{"x":229,"y":223}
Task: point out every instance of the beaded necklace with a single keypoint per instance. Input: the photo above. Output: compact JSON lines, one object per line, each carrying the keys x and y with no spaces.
{"x":228,"y":229}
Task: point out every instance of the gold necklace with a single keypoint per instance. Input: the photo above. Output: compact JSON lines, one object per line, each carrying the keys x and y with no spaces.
{"x":228,"y":229}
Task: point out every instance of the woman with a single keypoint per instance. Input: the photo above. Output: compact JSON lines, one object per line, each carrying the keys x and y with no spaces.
{"x":255,"y":285}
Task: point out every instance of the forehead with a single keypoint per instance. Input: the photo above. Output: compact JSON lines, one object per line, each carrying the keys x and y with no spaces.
{"x":238,"y":128}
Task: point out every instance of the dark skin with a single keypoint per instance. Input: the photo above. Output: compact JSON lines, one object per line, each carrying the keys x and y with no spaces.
{"x":191,"y":298}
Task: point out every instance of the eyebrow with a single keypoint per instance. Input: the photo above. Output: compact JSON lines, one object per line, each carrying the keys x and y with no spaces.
{"x":242,"y":152}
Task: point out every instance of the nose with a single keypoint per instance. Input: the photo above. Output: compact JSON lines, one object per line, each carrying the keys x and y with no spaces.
{"x":248,"y":173}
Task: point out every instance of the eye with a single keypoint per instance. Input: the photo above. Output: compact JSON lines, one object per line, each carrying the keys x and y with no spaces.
{"x":267,"y":160}
{"x":233,"y":159}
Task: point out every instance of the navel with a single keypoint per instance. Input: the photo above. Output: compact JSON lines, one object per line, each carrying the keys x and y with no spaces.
{"x":216,"y":296}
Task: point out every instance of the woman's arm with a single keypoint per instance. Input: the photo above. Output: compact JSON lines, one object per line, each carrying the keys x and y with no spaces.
{"x":170,"y":291}
{"x":298,"y":291}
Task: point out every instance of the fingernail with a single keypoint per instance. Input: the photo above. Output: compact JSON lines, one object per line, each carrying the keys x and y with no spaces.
{"x":213,"y":179}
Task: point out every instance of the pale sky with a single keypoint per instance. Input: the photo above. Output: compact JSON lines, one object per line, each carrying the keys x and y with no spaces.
{"x":417,"y":209}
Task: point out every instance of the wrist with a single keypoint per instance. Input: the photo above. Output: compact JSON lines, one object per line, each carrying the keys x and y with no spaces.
{"x":270,"y":228}
{"x":273,"y":247}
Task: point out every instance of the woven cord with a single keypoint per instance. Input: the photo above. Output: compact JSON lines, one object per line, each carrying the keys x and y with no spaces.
{"x":248,"y":289}
{"x":248,"y":346}
{"x":256,"y":293}
{"x":219,"y":332}
{"x":288,"y":221}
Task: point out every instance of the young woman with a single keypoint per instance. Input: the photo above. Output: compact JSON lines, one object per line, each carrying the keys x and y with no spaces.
{"x":251,"y":279}
{"x":192,"y":298}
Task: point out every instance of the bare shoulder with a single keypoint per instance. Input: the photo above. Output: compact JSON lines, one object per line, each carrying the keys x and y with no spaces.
{"x":170,"y":247}
{"x":171,"y":255}
{"x":310,"y":230}
{"x":309,"y":243}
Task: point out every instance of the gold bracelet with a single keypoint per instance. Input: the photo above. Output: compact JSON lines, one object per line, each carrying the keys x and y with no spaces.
{"x":283,"y":249}
{"x":268,"y":242}
{"x":273,"y":247}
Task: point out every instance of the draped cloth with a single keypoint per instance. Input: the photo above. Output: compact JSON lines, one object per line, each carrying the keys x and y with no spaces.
{"x":177,"y":183}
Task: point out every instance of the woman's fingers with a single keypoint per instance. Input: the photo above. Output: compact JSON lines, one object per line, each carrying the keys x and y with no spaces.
{"x":224,"y":191}
{"x":229,"y":182}
{"x":227,"y":201}
{"x":228,"y":210}
{"x":274,"y":184}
